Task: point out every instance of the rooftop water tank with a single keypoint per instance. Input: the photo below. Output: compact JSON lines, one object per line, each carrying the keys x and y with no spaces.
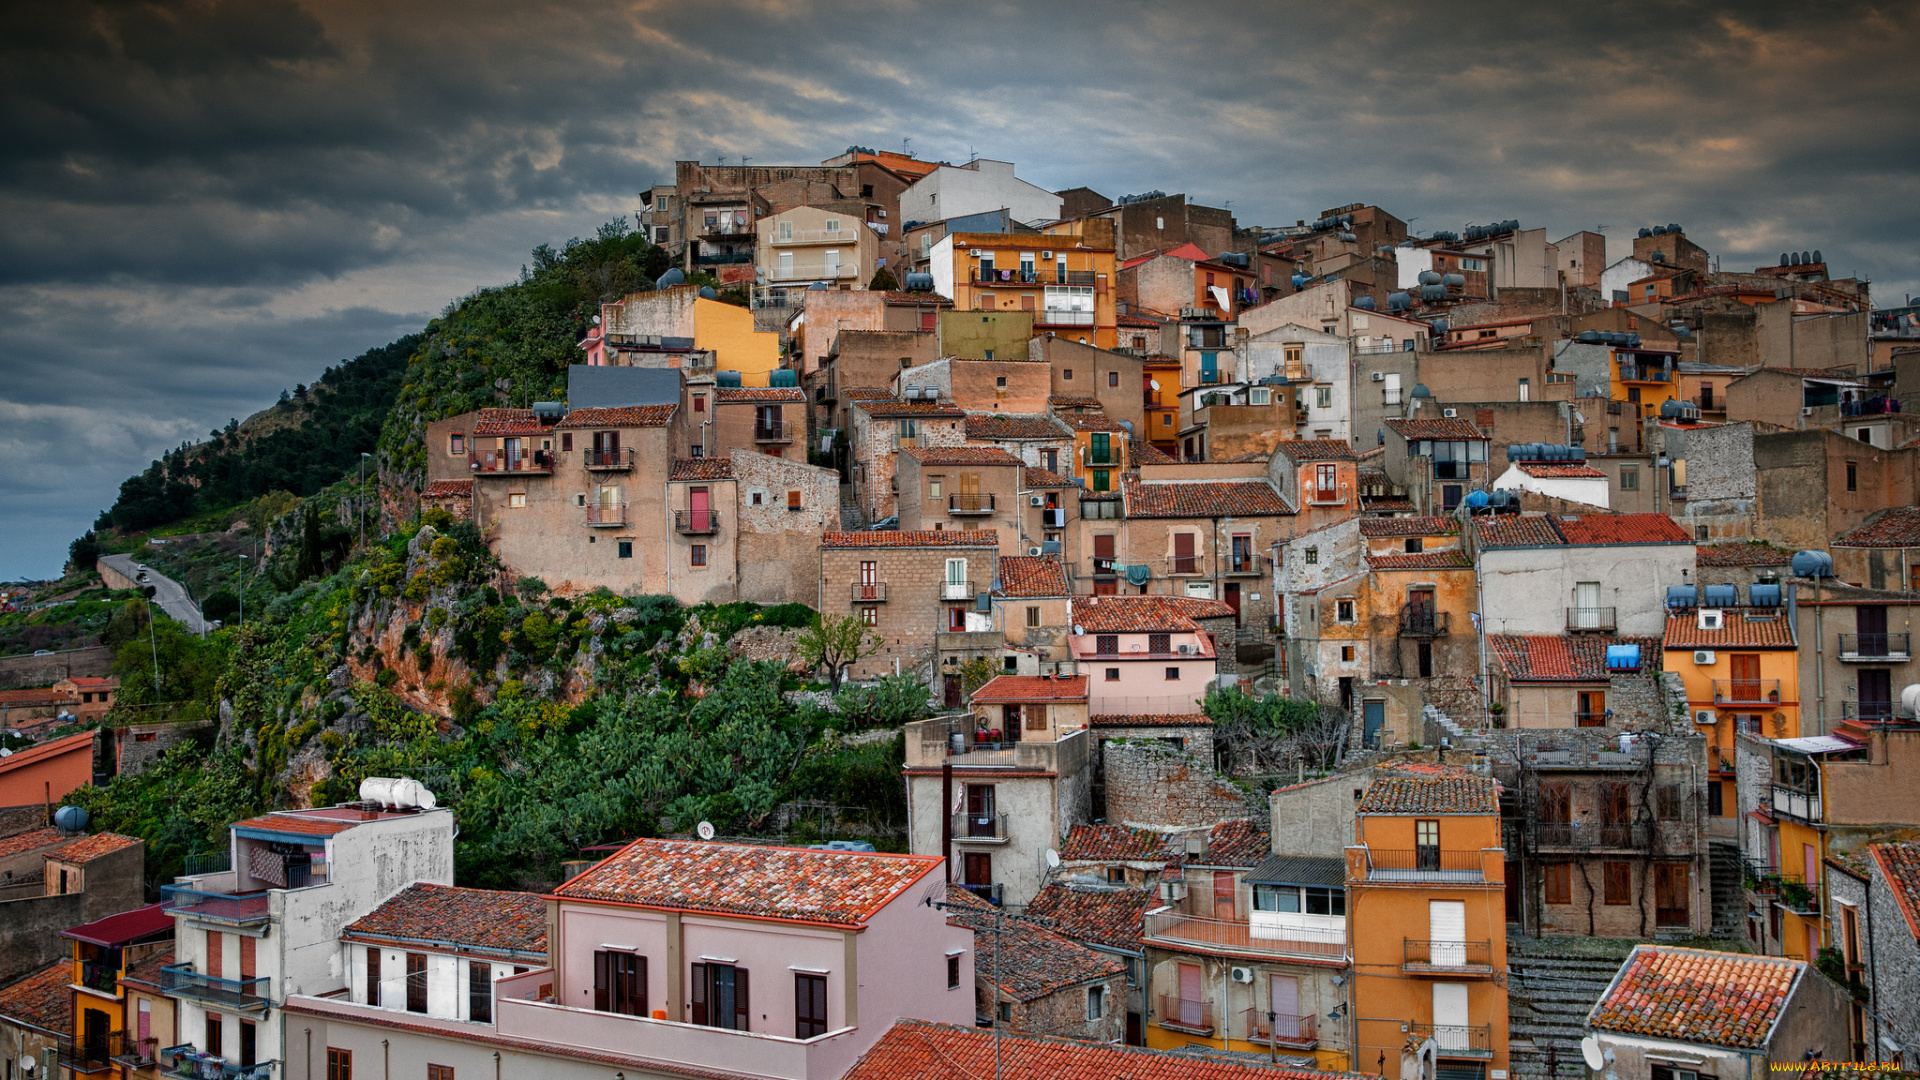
{"x":1764,"y":594}
{"x":1430,"y":277}
{"x":1399,"y":301}
{"x":1721,"y":596}
{"x":919,"y":282}
{"x":706,"y":293}
{"x":1814,"y":564}
{"x":1420,"y":390}
{"x":1476,"y":500}
{"x":1300,"y":281}
{"x":70,"y":818}
{"x":1433,"y":292}
{"x":1910,"y":700}
{"x":549,"y":410}
{"x":1365,"y":303}
{"x":1589,"y":337}
{"x":1682,"y":596}
{"x":726,"y":379}
{"x":1633,"y":341}
{"x":1623,"y":658}
{"x":1454,"y":281}
{"x":675,"y":276}
{"x":1579,"y":453}
{"x":400,"y":793}
{"x":784,"y":377}
{"x":1439,"y":326}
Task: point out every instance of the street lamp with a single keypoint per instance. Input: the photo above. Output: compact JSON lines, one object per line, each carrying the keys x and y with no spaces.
{"x":241,"y":573}
{"x":360,"y":505}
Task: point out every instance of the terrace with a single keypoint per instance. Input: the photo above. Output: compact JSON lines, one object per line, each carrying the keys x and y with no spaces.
{"x":1180,"y":930}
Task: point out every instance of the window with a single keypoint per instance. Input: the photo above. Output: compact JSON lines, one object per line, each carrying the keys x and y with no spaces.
{"x":339,"y":1064}
{"x":1619,"y":882}
{"x":1113,"y":378}
{"x":1853,"y":476}
{"x":1323,"y":397}
{"x":953,"y":972}
{"x":1559,"y":883}
{"x":480,"y":992}
{"x":870,"y":615}
{"x":1416,"y":544}
{"x":1000,"y":383}
{"x":1700,"y":532}
{"x":457,"y":444}
{"x":249,"y":1043}
{"x":1666,"y":803}
{"x":810,"y":1004}
{"x":1113,"y":674}
{"x":935,"y":483}
{"x":1096,"y":1002}
{"x":517,"y":499}
{"x":1313,"y":556}
{"x":1033,"y":616}
{"x":1260,"y":395}
{"x":1101,"y":481}
{"x":626,"y":549}
{"x":1716,"y":805}
{"x":1107,"y":644}
{"x":439,"y":1072}
{"x":416,"y":982}
{"x":1343,"y":611}
{"x":373,"y":975}
{"x":216,"y":1043}
{"x":720,"y":996}
{"x":619,"y":983}
{"x":699,"y":403}
{"x":1347,"y":653}
{"x":698,"y":555}
{"x":1173,"y":674}
{"x":1629,"y":478}
{"x":1066,"y":374}
{"x":793,"y":501}
{"x":566,"y":440}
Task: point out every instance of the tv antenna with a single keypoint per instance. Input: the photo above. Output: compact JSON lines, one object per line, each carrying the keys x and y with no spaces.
{"x":743,"y":161}
{"x":1601,"y":228}
{"x":723,"y":159}
{"x":906,"y":145}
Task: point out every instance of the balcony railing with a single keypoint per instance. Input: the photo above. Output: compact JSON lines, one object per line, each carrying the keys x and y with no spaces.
{"x":1720,"y":759}
{"x":239,"y":909}
{"x":1561,"y":834}
{"x":1793,"y":802}
{"x":1448,"y":957}
{"x":95,"y":975}
{"x":180,"y":980}
{"x":874,"y":592}
{"x":1320,"y":496}
{"x":1033,"y":276}
{"x":608,"y":460}
{"x":132,"y":1051}
{"x":1058,"y":317}
{"x":1424,"y":864}
{"x":1184,"y":564}
{"x":776,"y":431}
{"x":1637,"y":373}
{"x":1875,"y":647}
{"x":1283,"y":1029}
{"x":724,"y":258}
{"x":1746,"y":691}
{"x":1872,"y":712}
{"x":1108,"y":460}
{"x":816,"y":236}
{"x":989,"y":893}
{"x":970,"y":504}
{"x":1185,"y":1014}
{"x":957,"y":590}
{"x":185,"y":1061}
{"x":1456,"y":1040}
{"x":1244,"y":937}
{"x":1249,"y":565}
{"x":1590,"y":618}
{"x":696,"y":522}
{"x":510,"y":463}
{"x":1425,"y":622}
{"x":812,"y":271}
{"x":988,"y":827}
{"x":602,"y":517}
{"x":1585,"y":718}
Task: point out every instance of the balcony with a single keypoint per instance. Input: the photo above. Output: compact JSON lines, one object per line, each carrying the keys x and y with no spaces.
{"x":1185,"y":1014}
{"x":724,"y":258}
{"x":1283,"y":1029}
{"x":1874,"y":648}
{"x":966,"y":742}
{"x":1195,"y":931}
{"x":1030,"y":276}
{"x":1184,"y":564}
{"x":606,"y":517}
{"x":1795,"y":803}
{"x":871,"y":592}
{"x":773,"y":431}
{"x":816,"y":236}
{"x":1424,"y":622}
{"x":1244,"y":566}
{"x":958,"y":590}
{"x":185,"y":1061}
{"x":1584,"y":718}
{"x":971,"y":503}
{"x":619,"y":460}
{"x":1720,"y":759}
{"x":696,"y":522}
{"x":1424,"y":864}
{"x":510,"y":463}
{"x":1869,"y":712}
{"x":979,"y":828}
{"x":1578,"y":837}
{"x":100,"y":977}
{"x":1746,"y":691}
{"x":1455,"y":1040}
{"x":1590,"y":618}
{"x":1060,"y":317}
{"x":1319,"y":496}
{"x":1108,"y":460}
{"x":812,"y":271}
{"x":989,"y":893}
{"x":131,"y":1051}
{"x":233,"y":995}
{"x":1640,"y":374}
{"x":236,"y":909}
{"x":1452,"y":958}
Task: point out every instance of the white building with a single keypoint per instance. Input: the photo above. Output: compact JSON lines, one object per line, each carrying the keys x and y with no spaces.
{"x":1549,"y":573}
{"x":1575,"y":481}
{"x":436,"y":950}
{"x":1297,"y":352}
{"x":980,"y":185}
{"x":1615,"y":279}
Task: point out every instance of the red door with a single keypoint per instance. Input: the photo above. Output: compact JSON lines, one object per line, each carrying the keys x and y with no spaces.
{"x":1746,"y":676}
{"x":1232,"y":596}
{"x":699,"y":509}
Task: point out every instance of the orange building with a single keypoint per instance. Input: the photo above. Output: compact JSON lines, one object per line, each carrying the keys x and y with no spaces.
{"x":47,"y":772}
{"x":1066,"y":283}
{"x":1426,"y":877}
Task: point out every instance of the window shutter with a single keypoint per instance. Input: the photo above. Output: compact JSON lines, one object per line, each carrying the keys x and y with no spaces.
{"x":699,"y":993}
{"x":1036,"y":717}
{"x":637,"y":993}
{"x":373,"y":977}
{"x":247,"y":946}
{"x":602,"y":998}
{"x":740,"y":1000}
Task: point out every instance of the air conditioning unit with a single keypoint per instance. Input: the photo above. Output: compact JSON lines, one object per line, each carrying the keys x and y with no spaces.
{"x":1704,"y":717}
{"x":1709,"y":619}
{"x":1703,"y":657}
{"x":1046,"y":255}
{"x":976,"y":253}
{"x":1033,"y":552}
{"x":1035,"y":500}
{"x":1185,"y":650}
{"x":1379,"y":376}
{"x":1449,"y":414}
{"x":1242,"y":975}
{"x":1807,"y":411}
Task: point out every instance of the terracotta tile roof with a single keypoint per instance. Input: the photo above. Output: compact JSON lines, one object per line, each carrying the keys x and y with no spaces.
{"x":1386,"y":504}
{"x":89,"y":682}
{"x":1033,"y":688}
{"x":1144,"y":614}
{"x":1014,"y":426}
{"x":1130,"y":319}
{"x":447,"y":489}
{"x":1586,"y":530}
{"x":843,"y":888}
{"x":1236,"y":842}
{"x":1117,"y":843}
{"x":1698,"y":996}
{"x":1900,"y":864}
{"x":916,"y":299}
{"x":890,"y":409}
{"x":507,"y":422}
{"x":866,"y":393}
{"x":1109,"y":917}
{"x":1567,"y":471}
{"x":1248,"y":458}
{"x":1314,"y":449}
{"x":1145,"y":453}
{"x":1435,"y":791}
{"x":1532,"y":530}
{"x":764,"y":395}
{"x":1421,"y":560}
{"x":483,"y":919}
{"x":29,"y":840}
{"x":1089,"y":421}
{"x":1041,"y":478}
{"x":89,"y":848}
{"x":1736,"y":631}
{"x":1454,"y":429}
{"x":295,"y":824}
{"x":1069,"y":401}
{"x":1436,"y":525}
{"x":1897,"y":527}
{"x":960,"y":538}
{"x":1026,"y":576}
{"x":960,"y":455}
{"x":1565,"y":657}
{"x":1752,"y":553}
{"x":21,"y":699}
{"x":43,"y":999}
{"x":710,"y":468}
{"x":1205,"y":498}
{"x":1129,"y":720}
{"x":146,"y":970}
{"x":1032,"y":961}
{"x":921,"y":1050}
{"x":621,"y":416}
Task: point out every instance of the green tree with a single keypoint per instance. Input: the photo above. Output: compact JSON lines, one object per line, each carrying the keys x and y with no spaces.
{"x":837,"y":641}
{"x":976,"y":673}
{"x":84,"y":552}
{"x":883,"y":281}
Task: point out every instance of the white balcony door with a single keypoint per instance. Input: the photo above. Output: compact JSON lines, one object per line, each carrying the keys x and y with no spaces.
{"x":833,"y":262}
{"x":1586,"y":603}
{"x":1450,"y":1016}
{"x":1286,"y":1006}
{"x":1447,"y":932}
{"x":785,"y":268}
{"x":956,"y":579}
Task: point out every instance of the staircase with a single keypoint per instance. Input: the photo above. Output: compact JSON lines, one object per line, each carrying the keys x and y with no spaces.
{"x":1437,"y":720}
{"x":1553,"y":985}
{"x":1729,"y":907}
{"x":850,"y":515}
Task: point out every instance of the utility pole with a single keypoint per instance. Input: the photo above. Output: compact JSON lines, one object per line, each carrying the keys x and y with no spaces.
{"x":153,"y":644}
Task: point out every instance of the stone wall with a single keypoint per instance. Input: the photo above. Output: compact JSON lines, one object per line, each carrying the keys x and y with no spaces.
{"x":912,"y":612}
{"x":1150,"y":785}
{"x":779,"y":547}
{"x":1316,"y":818}
{"x":1893,"y":962}
{"x":19,"y":672}
{"x":1063,"y":1013}
{"x":143,"y":744}
{"x":15,"y":820}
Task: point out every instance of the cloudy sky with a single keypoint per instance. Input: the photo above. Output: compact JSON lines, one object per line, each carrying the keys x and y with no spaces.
{"x":205,"y":201}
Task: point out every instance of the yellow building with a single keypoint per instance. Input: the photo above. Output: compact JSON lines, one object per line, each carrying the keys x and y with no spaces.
{"x":1066,"y":282}
{"x":665,"y":327}
{"x":1644,"y":377}
{"x":1740,"y":665}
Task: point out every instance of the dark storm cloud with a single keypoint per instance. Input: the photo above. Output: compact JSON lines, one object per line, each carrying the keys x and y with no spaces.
{"x":202,"y":201}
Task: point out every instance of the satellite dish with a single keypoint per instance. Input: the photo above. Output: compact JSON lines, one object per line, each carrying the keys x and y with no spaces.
{"x":1155,"y":383}
{"x":704,"y":830}
{"x":26,"y":1061}
{"x":1053,"y":859}
{"x":1590,"y":1050}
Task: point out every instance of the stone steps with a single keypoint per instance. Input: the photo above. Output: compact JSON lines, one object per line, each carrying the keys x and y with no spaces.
{"x":1548,"y":998}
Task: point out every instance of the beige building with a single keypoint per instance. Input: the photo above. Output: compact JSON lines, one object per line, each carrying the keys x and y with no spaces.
{"x":918,"y":590}
{"x":961,"y":487}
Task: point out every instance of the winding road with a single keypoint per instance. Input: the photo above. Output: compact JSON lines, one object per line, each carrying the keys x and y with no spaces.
{"x":168,"y":593}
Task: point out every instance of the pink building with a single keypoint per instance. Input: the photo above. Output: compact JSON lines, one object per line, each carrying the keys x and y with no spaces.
{"x":681,"y":957}
{"x":1145,"y":654}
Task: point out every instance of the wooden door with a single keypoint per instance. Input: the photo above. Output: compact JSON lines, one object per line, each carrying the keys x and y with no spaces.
{"x":1593,"y":708}
{"x":950,"y":691}
{"x":1231,"y":594}
{"x":699,"y":508}
{"x":1513,"y":891}
{"x":1745,"y":669}
{"x":1876,"y":693}
{"x":1670,"y":889}
{"x":1183,"y":561}
{"x":978,"y":869}
{"x":1871,"y":622}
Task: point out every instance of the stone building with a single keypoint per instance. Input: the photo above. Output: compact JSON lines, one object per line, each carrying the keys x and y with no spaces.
{"x":1201,"y":534}
{"x":1031,"y":599}
{"x":961,"y":488}
{"x":913,"y":589}
{"x":1029,"y":980}
{"x":877,"y":430}
{"x":1873,"y":917}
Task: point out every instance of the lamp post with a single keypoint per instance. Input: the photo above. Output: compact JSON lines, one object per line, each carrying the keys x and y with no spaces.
{"x":360,"y":506}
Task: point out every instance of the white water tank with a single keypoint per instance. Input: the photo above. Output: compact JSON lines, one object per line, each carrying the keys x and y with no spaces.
{"x":399,"y":793}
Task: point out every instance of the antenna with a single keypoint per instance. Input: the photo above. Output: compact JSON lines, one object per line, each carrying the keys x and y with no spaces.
{"x":723,"y":159}
{"x":1601,"y":228}
{"x":906,"y":145}
{"x":743,"y":161}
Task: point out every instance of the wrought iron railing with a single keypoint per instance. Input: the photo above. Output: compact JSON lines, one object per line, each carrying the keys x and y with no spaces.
{"x":1284,"y":1029}
{"x":131,"y":1050}
{"x":1244,"y":937}
{"x":1746,"y":691}
{"x":1873,"y":712}
{"x":621,"y":458}
{"x":1590,"y":618}
{"x":967,"y":826}
{"x":503,"y":462}
{"x":1561,"y":834}
{"x":1464,"y":955}
{"x":869,"y":592}
{"x":696,"y":522}
{"x":1424,"y":864}
{"x":1425,"y":622}
{"x":1185,"y":1013}
{"x":957,"y":590}
{"x":1455,"y":1038}
{"x":180,"y":980}
{"x":219,"y":907}
{"x":772,"y":431}
{"x":615,"y":514}
{"x":1876,"y":646}
{"x":970,"y":503}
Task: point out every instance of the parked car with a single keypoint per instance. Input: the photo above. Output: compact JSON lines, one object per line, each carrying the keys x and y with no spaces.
{"x":887,"y":524}
{"x":43,"y":652}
